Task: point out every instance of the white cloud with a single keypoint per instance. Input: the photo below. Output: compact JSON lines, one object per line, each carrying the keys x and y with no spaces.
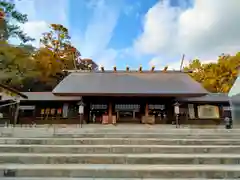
{"x":160,"y":63}
{"x":100,"y":29}
{"x":107,"y":58}
{"x":35,"y":29}
{"x":93,"y":43}
{"x":159,"y":27}
{"x":41,"y":13}
{"x":45,"y":10}
{"x":99,"y":32}
{"x":206,"y":30}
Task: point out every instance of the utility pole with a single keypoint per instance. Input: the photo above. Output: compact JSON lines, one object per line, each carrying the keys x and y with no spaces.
{"x":74,"y":60}
{"x":73,"y":52}
{"x":181,"y":66}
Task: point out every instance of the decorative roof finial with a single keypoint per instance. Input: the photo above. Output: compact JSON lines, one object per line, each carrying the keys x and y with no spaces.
{"x":127,"y":68}
{"x":165,"y":69}
{"x":153,"y":67}
{"x":114,"y":68}
{"x":102,"y":68}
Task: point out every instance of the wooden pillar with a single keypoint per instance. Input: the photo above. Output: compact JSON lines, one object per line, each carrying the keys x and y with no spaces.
{"x":146,"y":109}
{"x":110,"y":113}
{"x":16,"y":112}
{"x":196,"y":110}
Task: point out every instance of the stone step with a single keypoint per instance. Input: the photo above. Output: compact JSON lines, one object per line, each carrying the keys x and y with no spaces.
{"x":101,"y":132}
{"x":122,"y":171}
{"x":148,"y":131}
{"x":151,"y":135}
{"x":121,"y":149}
{"x":100,"y":127}
{"x":135,"y":135}
{"x":120,"y":128}
{"x":57,"y":178}
{"x":118,"y":141}
{"x":66,"y":158}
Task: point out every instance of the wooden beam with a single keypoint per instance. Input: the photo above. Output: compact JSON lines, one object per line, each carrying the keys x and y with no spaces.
{"x":13,"y":91}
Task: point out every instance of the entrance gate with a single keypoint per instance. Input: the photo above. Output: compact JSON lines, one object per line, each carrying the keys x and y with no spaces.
{"x":127,"y":113}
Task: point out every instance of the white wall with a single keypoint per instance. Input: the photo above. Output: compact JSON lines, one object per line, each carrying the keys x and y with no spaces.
{"x":9,"y":97}
{"x":236,"y":88}
{"x":235,"y":105}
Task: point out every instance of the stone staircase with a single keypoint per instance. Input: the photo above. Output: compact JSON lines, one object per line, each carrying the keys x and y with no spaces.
{"x":119,"y":153}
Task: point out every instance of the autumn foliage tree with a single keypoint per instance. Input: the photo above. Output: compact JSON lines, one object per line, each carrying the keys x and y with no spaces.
{"x":55,"y":55}
{"x":27,"y":68}
{"x":41,"y":69}
{"x":216,"y":77}
{"x":58,"y":42}
{"x":48,"y":65}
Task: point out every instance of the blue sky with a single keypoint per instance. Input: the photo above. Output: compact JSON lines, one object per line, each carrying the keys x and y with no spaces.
{"x":139,"y":32}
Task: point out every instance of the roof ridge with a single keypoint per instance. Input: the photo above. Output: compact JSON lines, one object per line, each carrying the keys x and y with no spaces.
{"x":130,"y":71}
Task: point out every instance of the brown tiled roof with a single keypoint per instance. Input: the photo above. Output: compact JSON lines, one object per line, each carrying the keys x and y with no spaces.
{"x":129,"y":83}
{"x":211,"y":97}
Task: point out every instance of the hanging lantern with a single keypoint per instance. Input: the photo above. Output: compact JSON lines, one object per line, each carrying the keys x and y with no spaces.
{"x":47,"y":111}
{"x":52,"y":111}
{"x":176,"y":108}
{"x":42,"y":111}
{"x":59,"y":111}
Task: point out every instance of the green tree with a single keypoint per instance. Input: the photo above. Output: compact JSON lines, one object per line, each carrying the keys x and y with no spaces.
{"x":8,"y":26}
{"x":56,"y":54}
{"x":16,"y":64}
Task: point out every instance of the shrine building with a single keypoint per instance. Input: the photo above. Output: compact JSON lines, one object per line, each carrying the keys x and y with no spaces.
{"x":124,"y":97}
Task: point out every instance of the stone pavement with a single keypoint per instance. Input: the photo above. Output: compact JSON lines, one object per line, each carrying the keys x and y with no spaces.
{"x":126,"y":152}
{"x":100,"y":179}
